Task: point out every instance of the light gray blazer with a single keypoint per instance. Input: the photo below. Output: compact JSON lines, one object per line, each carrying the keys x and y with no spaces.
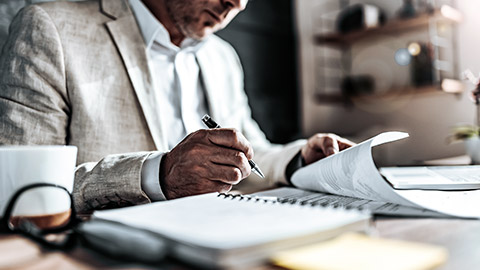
{"x":76,"y":74}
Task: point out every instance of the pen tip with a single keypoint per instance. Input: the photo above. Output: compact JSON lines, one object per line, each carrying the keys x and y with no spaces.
{"x":259,"y":172}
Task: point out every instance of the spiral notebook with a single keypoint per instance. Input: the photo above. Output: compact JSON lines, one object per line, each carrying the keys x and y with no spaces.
{"x":232,"y":231}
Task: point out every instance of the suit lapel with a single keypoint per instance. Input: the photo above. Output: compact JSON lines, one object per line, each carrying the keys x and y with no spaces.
{"x":130,"y":44}
{"x":114,"y":8}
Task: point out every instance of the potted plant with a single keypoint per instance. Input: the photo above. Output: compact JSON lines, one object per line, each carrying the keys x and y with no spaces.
{"x":470,"y":134}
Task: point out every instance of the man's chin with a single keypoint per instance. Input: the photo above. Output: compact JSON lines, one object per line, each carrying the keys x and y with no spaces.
{"x":201,"y":34}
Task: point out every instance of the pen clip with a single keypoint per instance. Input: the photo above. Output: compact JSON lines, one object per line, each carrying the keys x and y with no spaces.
{"x":209,"y":122}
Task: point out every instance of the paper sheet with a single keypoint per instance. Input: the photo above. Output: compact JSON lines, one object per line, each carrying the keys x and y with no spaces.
{"x":456,"y":203}
{"x":208,"y":221}
{"x":353,"y":173}
{"x":324,"y":199}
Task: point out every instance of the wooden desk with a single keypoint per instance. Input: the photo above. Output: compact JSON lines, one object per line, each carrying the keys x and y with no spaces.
{"x":460,"y":237}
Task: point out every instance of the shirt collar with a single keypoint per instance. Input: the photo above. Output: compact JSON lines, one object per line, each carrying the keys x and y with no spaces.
{"x":153,"y":31}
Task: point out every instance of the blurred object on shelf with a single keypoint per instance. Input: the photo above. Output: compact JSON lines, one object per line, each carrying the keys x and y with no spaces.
{"x":358,"y":17}
{"x":414,"y":48}
{"x":424,"y":6}
{"x":358,"y":85}
{"x":451,"y":13}
{"x":407,"y":10}
{"x":452,"y":86}
{"x":427,"y":64}
{"x":403,"y":57}
{"x":421,"y":67}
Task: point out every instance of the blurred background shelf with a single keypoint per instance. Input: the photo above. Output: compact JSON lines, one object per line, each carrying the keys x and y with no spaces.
{"x":392,"y":27}
{"x":397,"y":93}
{"x":344,"y":70}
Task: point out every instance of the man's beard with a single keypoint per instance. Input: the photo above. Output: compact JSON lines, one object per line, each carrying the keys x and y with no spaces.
{"x":182,"y":14}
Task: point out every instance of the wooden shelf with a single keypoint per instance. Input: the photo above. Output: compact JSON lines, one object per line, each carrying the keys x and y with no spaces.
{"x":392,"y":27}
{"x":404,"y":92}
{"x":332,"y":98}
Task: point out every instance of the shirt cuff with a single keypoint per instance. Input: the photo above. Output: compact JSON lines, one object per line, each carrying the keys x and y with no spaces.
{"x":151,"y":177}
{"x":296,"y":163}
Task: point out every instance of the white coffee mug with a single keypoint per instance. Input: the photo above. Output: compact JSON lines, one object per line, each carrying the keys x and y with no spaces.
{"x":24,"y":165}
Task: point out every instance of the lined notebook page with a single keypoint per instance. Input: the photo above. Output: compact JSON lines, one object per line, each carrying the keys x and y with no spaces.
{"x":219,"y":222}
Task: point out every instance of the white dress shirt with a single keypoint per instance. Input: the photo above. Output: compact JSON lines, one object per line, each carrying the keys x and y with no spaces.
{"x":178,"y":89}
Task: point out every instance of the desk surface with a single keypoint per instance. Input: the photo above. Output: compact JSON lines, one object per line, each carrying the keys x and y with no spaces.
{"x":460,"y":237}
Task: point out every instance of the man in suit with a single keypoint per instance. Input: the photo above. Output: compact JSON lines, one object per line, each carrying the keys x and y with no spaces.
{"x":127,"y":81}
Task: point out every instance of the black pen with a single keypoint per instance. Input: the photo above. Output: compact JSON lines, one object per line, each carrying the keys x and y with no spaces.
{"x":212,"y":124}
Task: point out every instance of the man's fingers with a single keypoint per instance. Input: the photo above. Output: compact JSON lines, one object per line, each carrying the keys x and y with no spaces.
{"x":344,"y":143}
{"x":208,"y":186}
{"x":226,"y":174}
{"x":230,"y":138}
{"x":221,"y":164}
{"x":330,"y":145}
{"x":232,"y":158}
{"x":327,"y":144}
{"x":323,"y":145}
{"x":218,"y":173}
{"x":205,"y":161}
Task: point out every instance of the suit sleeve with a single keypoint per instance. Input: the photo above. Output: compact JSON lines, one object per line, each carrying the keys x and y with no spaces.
{"x":35,"y":109}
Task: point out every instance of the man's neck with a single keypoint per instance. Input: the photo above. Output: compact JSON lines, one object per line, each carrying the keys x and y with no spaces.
{"x":159,"y":10}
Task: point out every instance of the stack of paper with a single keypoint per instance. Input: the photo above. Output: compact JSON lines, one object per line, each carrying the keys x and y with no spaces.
{"x":216,"y":230}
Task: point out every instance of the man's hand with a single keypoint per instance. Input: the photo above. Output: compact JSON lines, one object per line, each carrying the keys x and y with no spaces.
{"x":206,"y":161}
{"x":323,"y":145}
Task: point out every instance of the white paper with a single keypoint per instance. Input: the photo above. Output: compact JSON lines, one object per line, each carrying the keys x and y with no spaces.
{"x":225,"y":223}
{"x":353,"y":173}
{"x":321,"y":199}
{"x":455,"y":203}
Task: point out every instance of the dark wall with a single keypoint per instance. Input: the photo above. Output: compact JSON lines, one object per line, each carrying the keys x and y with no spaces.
{"x":264,"y":38}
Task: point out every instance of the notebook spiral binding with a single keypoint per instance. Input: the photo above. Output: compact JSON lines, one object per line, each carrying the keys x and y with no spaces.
{"x":291,"y":201}
{"x":241,"y":197}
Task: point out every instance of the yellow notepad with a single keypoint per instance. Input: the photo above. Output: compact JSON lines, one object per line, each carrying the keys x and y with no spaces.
{"x":356,"y":251}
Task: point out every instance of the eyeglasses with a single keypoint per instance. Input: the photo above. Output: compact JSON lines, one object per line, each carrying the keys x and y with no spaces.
{"x":59,"y":237}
